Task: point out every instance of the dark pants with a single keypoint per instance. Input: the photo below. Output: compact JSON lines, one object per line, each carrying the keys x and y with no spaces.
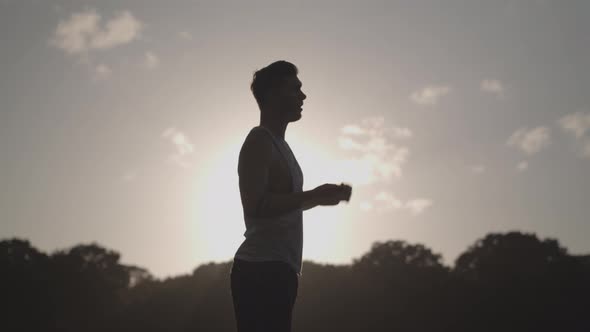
{"x":264,"y":294}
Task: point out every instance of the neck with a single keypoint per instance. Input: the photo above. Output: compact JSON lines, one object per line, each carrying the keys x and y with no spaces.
{"x":277,"y":127}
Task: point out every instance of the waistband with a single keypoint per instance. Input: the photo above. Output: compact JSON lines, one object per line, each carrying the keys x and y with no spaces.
{"x":270,"y":266}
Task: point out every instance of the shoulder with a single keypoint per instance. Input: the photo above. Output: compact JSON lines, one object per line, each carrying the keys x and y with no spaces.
{"x":258,"y":139}
{"x":257,"y":147}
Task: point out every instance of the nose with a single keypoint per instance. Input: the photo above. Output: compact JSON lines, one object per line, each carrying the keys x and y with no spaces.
{"x":303,"y":95}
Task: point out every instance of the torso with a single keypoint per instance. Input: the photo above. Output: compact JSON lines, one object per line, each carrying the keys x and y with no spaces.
{"x":281,"y":238}
{"x":279,"y":175}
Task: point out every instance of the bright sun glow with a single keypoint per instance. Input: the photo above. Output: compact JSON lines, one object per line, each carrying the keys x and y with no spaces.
{"x":218,"y":218}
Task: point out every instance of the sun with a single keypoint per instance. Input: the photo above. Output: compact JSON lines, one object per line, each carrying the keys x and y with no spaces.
{"x":218,"y":223}
{"x":217,"y":215}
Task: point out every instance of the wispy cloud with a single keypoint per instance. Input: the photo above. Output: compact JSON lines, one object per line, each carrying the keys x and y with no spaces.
{"x":492,"y":86}
{"x":417,"y":206}
{"x":73,"y":35}
{"x":378,"y":157}
{"x":375,"y":127}
{"x":522,"y":166}
{"x":183,"y":146}
{"x":530,"y":141}
{"x":83,"y":32}
{"x":150,"y":60}
{"x":430,"y":94}
{"x":102,"y":71}
{"x":365,"y":206}
{"x":185,"y":35}
{"x":389,"y":200}
{"x":352,"y":130}
{"x":385,"y":201}
{"x":402,"y":132}
{"x":477,"y":169}
{"x":576,"y":123}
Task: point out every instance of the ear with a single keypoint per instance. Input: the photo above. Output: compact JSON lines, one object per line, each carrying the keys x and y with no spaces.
{"x":272,"y":94}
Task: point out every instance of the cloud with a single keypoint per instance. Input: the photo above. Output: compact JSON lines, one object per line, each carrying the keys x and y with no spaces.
{"x":402,"y":132}
{"x":522,"y":166}
{"x":576,"y":123}
{"x":82,"y":32}
{"x":389,"y":200}
{"x":373,"y":126}
{"x":185,"y":35}
{"x":102,"y":71}
{"x":378,"y":157}
{"x":386,"y":201}
{"x":182,"y":145}
{"x":352,"y":130}
{"x":418,"y":205}
{"x":492,"y":86}
{"x":348,"y":143}
{"x":530,"y":141}
{"x":477,"y":169}
{"x":365,"y":206}
{"x":430,"y":94}
{"x":151,"y":61}
{"x":72,"y":35}
{"x":121,"y":30}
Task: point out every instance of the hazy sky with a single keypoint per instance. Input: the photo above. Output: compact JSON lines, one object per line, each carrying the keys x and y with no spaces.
{"x":121,"y":122}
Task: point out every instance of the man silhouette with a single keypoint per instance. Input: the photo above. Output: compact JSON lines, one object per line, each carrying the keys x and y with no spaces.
{"x":267,"y":265}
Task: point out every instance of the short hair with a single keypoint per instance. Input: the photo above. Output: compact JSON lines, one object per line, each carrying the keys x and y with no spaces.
{"x":270,"y":77}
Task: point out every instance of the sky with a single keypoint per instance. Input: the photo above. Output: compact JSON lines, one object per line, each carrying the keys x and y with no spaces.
{"x":121,"y":122}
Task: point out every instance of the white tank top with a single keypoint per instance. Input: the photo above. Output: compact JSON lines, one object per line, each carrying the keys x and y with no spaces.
{"x":282,"y":238}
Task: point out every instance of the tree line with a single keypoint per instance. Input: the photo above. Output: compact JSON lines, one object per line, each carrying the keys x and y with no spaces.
{"x":503,"y":282}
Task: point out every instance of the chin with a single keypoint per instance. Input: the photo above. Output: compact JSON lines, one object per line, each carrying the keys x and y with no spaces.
{"x":293,"y":116}
{"x":296,"y":117}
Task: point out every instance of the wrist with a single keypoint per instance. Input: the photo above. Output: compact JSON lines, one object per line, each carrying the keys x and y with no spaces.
{"x":310,"y":199}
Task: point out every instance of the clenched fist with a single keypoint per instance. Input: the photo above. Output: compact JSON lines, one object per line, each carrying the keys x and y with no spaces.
{"x":332,"y":194}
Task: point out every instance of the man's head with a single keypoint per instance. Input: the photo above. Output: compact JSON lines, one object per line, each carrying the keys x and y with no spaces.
{"x":277,"y":91}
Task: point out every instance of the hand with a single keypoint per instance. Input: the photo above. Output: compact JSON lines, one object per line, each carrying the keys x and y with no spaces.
{"x":347,"y":191}
{"x":331,"y":194}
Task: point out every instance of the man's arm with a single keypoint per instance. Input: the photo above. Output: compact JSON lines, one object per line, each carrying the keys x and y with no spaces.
{"x":253,"y":168}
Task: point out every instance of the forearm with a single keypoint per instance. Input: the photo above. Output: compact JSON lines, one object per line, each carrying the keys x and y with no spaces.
{"x":275,"y":204}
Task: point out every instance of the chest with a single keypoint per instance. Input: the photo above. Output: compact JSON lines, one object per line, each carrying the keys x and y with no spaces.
{"x":280,"y":176}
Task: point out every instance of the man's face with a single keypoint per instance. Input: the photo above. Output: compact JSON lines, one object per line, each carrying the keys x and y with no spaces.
{"x":290,"y":99}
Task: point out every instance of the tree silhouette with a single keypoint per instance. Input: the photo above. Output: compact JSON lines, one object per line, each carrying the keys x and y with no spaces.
{"x":24,"y":287}
{"x":511,"y":256}
{"x":405,"y":283}
{"x":88,"y":285}
{"x":509,"y":282}
{"x":516,"y":281}
{"x":392,"y":256}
